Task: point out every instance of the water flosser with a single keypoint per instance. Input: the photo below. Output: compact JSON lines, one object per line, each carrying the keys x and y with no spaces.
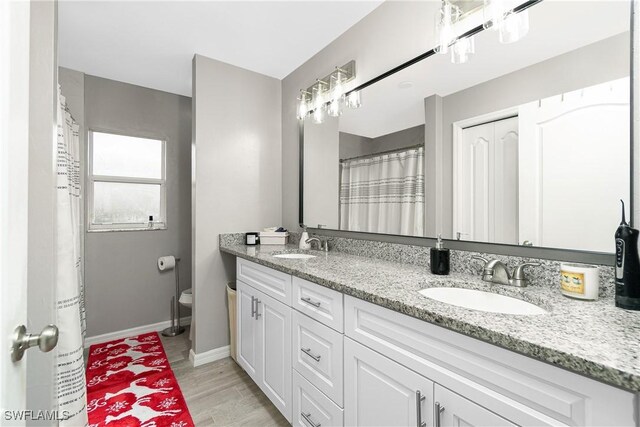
{"x":627,"y":266}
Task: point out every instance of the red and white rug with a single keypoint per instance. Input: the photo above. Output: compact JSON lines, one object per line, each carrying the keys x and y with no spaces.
{"x":130,"y":383}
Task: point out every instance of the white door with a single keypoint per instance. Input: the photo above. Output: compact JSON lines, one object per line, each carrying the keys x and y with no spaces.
{"x":381,"y":392}
{"x":14,"y":177}
{"x":486,"y":191}
{"x":247,"y":330}
{"x":455,"y":410}
{"x":575,"y":167}
{"x":274,"y":319}
{"x":27,"y":192}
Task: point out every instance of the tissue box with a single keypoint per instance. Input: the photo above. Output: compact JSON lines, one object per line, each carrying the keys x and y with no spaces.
{"x":274,"y":237}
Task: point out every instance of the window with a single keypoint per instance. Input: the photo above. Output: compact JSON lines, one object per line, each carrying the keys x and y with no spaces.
{"x":126,"y":182}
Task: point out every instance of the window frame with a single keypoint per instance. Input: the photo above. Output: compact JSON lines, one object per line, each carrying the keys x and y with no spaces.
{"x":158,"y":224}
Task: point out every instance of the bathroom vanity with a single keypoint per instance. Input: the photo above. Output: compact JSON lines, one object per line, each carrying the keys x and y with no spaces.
{"x":340,"y":339}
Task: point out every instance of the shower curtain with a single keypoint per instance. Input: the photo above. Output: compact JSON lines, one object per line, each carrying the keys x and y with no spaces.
{"x":70,"y":315}
{"x":383,"y":194}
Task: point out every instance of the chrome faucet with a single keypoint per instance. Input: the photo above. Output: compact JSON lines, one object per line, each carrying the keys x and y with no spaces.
{"x":495,"y":271}
{"x":323,"y":245}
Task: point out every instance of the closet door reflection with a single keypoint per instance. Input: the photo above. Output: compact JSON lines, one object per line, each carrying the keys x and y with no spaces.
{"x":486,"y":190}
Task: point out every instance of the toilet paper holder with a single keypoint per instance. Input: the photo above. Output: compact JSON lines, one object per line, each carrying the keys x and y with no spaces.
{"x":175,"y":328}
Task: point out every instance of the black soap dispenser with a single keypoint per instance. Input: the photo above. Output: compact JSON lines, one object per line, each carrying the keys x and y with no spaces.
{"x":627,"y":266}
{"x":439,"y":258}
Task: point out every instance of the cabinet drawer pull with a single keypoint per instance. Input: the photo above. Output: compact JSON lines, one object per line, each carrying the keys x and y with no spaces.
{"x":253,"y":309}
{"x":307,"y":351}
{"x":257,"y":306}
{"x":310,"y":301}
{"x":439,"y":410}
{"x":419,"y":399}
{"x":307,"y":418}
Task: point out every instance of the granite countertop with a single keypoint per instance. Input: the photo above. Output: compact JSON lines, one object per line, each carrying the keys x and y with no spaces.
{"x":592,"y":338}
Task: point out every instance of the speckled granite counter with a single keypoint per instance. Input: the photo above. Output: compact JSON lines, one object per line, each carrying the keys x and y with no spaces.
{"x":594,"y":339}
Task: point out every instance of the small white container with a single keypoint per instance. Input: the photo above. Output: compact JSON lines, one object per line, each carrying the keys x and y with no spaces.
{"x":274,"y":237}
{"x":580,"y":281}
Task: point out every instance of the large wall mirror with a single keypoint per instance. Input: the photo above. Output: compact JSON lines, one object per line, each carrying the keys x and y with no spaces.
{"x":526,"y":143}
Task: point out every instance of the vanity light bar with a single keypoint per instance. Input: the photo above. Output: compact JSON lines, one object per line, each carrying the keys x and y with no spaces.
{"x":308,"y":104}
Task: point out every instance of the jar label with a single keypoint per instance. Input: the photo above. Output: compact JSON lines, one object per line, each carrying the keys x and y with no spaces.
{"x":572,"y":282}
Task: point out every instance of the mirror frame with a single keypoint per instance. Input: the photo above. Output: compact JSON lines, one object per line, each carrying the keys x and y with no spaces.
{"x":569,"y":255}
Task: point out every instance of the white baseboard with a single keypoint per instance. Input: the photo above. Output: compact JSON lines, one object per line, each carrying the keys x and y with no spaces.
{"x":198,"y":359}
{"x":155,"y":327}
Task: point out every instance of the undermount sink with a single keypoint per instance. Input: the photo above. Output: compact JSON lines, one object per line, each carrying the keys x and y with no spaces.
{"x":482,"y":301}
{"x":295,"y":256}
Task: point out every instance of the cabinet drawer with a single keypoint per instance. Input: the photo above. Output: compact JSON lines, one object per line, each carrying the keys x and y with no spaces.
{"x":267,"y":280}
{"x":311,"y":408}
{"x":323,"y":304}
{"x":317,"y":355}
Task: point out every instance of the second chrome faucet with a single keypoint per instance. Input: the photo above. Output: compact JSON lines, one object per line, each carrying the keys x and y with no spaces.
{"x":495,"y":271}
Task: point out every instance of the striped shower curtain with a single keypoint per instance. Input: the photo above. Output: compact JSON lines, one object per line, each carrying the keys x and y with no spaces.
{"x":383,"y":194}
{"x":70,"y":315}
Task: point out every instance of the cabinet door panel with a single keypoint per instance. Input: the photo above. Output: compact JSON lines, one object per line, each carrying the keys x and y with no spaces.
{"x":380,"y":392}
{"x":274,"y":319}
{"x":247,"y":332}
{"x":460,"y":412}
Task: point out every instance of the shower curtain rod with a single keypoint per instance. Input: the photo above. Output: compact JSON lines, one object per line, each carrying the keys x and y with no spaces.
{"x":382,"y":153}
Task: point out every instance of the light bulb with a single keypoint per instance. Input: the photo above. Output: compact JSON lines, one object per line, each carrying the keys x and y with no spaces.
{"x":493,"y":13}
{"x":303,"y":105}
{"x":446,"y":18}
{"x":318,"y":115}
{"x":514,"y":27}
{"x":334,"y":109}
{"x":353,"y":100}
{"x":462,"y":49}
{"x":336,"y":85}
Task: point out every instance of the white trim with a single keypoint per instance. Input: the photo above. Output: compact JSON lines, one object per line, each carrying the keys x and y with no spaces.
{"x":131,"y":332}
{"x":198,"y":359}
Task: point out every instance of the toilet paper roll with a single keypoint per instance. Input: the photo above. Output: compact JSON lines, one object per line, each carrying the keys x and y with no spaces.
{"x":166,"y":263}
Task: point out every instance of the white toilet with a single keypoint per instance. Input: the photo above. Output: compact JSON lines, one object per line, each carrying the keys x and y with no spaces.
{"x":186,"y":298}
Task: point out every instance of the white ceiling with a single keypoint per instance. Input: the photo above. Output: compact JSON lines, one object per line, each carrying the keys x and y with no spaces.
{"x":152,"y":43}
{"x":556,"y":27}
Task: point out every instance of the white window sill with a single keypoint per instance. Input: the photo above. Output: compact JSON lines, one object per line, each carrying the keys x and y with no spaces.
{"x":113,"y":230}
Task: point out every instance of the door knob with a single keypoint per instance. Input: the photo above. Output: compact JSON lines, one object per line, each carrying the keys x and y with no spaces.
{"x":46,"y":340}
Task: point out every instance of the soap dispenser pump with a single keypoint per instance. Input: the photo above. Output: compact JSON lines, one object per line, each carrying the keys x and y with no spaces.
{"x":627,"y":266}
{"x":440,"y":258}
{"x":303,"y":238}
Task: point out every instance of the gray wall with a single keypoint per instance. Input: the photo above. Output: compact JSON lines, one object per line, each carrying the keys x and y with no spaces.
{"x":124,"y":288}
{"x":356,"y":146}
{"x":599,"y":62}
{"x":237,"y":179}
{"x":321,"y":173}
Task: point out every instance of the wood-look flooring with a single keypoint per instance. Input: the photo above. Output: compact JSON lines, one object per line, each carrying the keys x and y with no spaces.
{"x":219,"y":393}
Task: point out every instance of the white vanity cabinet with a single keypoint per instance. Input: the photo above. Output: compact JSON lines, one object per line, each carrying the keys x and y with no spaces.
{"x":328,"y":359}
{"x":264,"y":344}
